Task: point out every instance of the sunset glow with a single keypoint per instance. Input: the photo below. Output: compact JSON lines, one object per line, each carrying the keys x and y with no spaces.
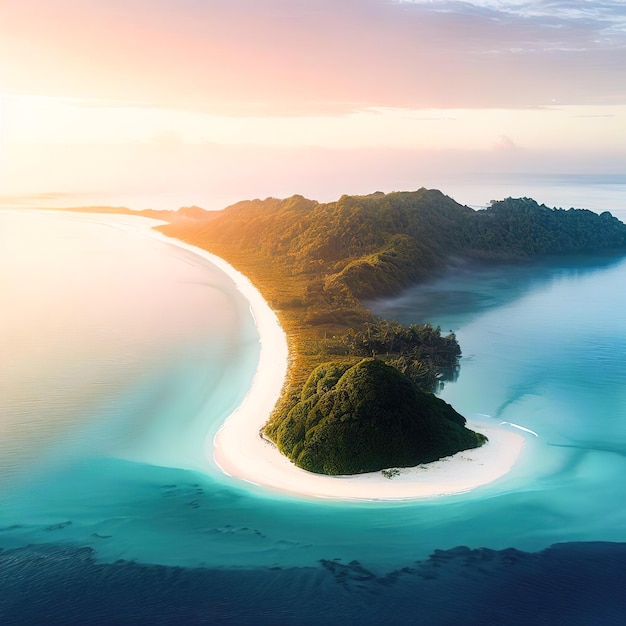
{"x":211,"y":102}
{"x":313,"y":312}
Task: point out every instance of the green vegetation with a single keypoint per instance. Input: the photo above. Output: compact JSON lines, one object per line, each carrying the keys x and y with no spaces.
{"x":315,"y":264}
{"x":520,"y":228}
{"x":418,"y":351}
{"x":391,"y":472}
{"x":367,"y":417}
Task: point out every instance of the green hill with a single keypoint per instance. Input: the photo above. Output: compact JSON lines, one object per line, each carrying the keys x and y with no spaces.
{"x":366,"y":246}
{"x":367,"y":417}
{"x":316,"y":263}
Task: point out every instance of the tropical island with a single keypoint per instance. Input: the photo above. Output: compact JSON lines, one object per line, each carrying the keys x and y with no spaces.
{"x":359,"y":391}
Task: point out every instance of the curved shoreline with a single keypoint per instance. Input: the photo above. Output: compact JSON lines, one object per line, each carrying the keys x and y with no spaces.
{"x":240,"y":451}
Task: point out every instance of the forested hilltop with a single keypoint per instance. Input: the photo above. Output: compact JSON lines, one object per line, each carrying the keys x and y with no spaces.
{"x":375,"y":245}
{"x":315,"y":263}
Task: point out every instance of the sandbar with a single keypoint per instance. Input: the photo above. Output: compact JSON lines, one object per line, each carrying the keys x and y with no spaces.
{"x":240,"y":451}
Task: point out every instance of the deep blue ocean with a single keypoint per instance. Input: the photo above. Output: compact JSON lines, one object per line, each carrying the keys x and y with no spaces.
{"x":121,"y":355}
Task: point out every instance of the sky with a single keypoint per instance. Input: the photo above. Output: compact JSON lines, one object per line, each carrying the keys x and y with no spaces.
{"x":166,"y":103}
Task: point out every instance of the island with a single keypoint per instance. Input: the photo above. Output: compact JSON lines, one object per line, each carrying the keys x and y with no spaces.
{"x":353,"y":419}
{"x":359,"y":391}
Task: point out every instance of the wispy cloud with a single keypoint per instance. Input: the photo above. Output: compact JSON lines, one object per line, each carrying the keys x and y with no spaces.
{"x":604,"y":10}
{"x":296,"y":57}
{"x":604,"y":21}
{"x":294,"y":95}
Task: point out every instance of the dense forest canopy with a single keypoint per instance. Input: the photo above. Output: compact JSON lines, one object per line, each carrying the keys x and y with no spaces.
{"x":365,"y":246}
{"x":366,"y":417}
{"x":316,"y":263}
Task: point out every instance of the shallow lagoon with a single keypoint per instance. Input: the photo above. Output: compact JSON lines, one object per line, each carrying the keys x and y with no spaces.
{"x":141,"y":350}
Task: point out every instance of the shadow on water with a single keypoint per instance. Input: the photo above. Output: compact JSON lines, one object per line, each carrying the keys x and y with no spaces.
{"x":468,"y":289}
{"x":594,"y":446}
{"x":572,"y":583}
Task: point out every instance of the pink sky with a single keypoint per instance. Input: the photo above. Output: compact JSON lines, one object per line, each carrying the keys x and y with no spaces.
{"x":210,"y":101}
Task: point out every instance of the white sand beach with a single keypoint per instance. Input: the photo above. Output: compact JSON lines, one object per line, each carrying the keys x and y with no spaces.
{"x":240,"y":451}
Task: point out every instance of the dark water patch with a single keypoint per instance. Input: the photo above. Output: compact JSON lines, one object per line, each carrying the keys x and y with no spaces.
{"x":516,"y":394}
{"x":194,"y":491}
{"x":12,"y":527}
{"x":59,"y":526}
{"x":591,"y":446}
{"x":350,"y":575}
{"x":233,"y":530}
{"x":571,"y":583}
{"x":99,"y":536}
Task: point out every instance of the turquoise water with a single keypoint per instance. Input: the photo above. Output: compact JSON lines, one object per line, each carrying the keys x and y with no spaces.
{"x":122,"y":354}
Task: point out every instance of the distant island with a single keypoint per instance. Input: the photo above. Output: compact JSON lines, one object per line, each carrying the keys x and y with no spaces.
{"x":359,"y":393}
{"x":183,"y":214}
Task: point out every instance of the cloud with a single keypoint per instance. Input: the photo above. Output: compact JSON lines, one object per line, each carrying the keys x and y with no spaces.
{"x":604,"y":13}
{"x":214,"y":176}
{"x":505,"y":144}
{"x":296,"y":57}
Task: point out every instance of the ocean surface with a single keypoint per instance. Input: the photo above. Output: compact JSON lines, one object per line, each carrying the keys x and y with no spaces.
{"x":120,"y":357}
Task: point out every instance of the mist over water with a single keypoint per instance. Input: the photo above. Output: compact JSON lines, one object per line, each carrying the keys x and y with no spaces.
{"x":122,"y":355}
{"x":542,"y":348}
{"x":596,"y":192}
